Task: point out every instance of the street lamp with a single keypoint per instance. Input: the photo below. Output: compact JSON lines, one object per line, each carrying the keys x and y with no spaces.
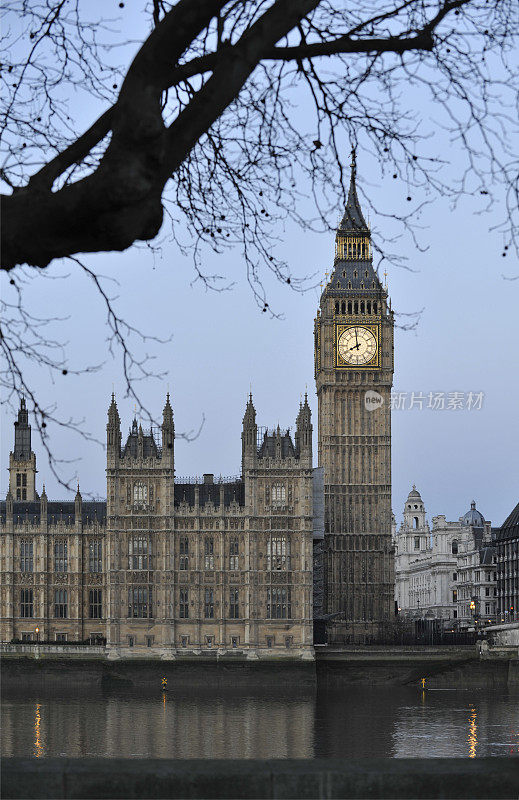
{"x":37,"y":634}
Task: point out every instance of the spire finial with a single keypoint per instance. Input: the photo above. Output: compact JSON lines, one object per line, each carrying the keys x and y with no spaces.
{"x":353,"y":162}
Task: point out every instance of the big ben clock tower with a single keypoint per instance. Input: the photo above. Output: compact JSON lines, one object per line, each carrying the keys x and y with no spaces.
{"x":354,"y":375}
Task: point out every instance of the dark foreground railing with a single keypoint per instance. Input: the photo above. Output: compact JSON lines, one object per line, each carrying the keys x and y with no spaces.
{"x":201,"y":778}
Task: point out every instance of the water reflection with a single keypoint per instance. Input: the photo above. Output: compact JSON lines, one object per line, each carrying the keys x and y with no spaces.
{"x":473,"y":733}
{"x":352,"y":722}
{"x":38,"y":746}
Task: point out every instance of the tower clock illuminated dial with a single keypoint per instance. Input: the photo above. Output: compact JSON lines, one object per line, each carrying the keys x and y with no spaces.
{"x":357,"y":345}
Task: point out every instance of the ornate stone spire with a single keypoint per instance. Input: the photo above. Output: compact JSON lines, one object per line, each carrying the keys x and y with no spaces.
{"x":353,"y":219}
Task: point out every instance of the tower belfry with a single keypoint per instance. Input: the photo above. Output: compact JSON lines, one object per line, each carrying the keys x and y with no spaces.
{"x":354,"y":375}
{"x":22,"y":460}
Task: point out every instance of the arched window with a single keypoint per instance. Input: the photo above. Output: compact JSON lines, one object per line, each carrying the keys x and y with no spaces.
{"x":140,"y":494}
{"x":278,"y":495}
{"x":343,"y":308}
{"x":415,"y":522}
{"x":349,"y":307}
{"x":337,"y":308}
{"x":374,"y":308}
{"x":362,"y":307}
{"x":139,"y":551}
{"x":454,"y":547}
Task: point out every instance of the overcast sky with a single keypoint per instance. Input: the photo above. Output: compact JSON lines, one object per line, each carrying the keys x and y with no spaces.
{"x":222,"y":346}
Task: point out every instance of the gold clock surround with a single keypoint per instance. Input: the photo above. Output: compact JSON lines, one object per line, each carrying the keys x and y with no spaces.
{"x":341,"y":363}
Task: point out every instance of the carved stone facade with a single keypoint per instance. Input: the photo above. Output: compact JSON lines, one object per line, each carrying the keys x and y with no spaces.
{"x":167,"y":566}
{"x":354,"y":375}
{"x":447,"y":572}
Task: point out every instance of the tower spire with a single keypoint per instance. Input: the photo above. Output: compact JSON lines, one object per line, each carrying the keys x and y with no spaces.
{"x":353,"y":219}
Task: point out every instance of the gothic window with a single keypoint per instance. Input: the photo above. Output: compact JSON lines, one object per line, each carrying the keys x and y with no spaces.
{"x":416,"y":542}
{"x":278,"y":553}
{"x":18,"y":478}
{"x":184,"y":552}
{"x":234,"y":551}
{"x":369,"y":306}
{"x":279,"y":603}
{"x":337,"y":308}
{"x":343,"y":308}
{"x":209,"y":552}
{"x":184,"y":604}
{"x":60,"y":604}
{"x":61,"y":556}
{"x":362,"y":303}
{"x":356,"y":307}
{"x":140,"y":494}
{"x":26,"y":555}
{"x":355,"y":273}
{"x":95,"y":604}
{"x":454,"y":547}
{"x":278,"y":495}
{"x":139,"y":602}
{"x":349,"y":285}
{"x":349,"y":306}
{"x":129,"y":494}
{"x":95,"y":556}
{"x":26,"y":603}
{"x":139,"y":552}
{"x":344,"y":273}
{"x":374,"y":308}
{"x":234,"y":603}
{"x":209,"y":604}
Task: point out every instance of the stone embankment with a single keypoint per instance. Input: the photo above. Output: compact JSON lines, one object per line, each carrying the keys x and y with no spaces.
{"x":320,"y":778}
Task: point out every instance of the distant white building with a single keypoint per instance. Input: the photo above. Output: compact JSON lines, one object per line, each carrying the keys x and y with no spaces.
{"x":447,"y":572}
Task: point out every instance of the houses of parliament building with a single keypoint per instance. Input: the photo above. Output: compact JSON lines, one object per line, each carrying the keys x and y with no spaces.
{"x":173,"y":568}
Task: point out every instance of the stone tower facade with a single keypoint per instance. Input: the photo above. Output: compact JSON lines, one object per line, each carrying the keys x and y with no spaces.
{"x":22,"y":460}
{"x":354,"y":375}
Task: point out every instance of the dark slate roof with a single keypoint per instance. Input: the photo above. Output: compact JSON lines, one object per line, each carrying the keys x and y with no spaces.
{"x":360,"y":274}
{"x":486,"y":554}
{"x":473,"y":517}
{"x":56,"y":510}
{"x":210,"y":493}
{"x":149,"y":446}
{"x":510,"y":527}
{"x":353,"y":220}
{"x":267,"y":448}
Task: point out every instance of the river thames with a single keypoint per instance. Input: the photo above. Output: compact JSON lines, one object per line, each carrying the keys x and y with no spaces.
{"x":351,"y":722}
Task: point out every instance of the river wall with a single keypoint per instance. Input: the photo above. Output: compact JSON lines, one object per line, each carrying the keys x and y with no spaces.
{"x":454,"y":668}
{"x":250,"y":778}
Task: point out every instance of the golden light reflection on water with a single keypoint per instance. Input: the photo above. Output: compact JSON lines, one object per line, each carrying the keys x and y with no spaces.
{"x":473,"y":733}
{"x":39,"y":750}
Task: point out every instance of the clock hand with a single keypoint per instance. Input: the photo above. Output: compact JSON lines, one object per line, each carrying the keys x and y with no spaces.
{"x":356,"y":338}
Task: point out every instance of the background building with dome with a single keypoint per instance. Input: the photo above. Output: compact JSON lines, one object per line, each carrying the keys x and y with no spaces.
{"x":446,"y":572}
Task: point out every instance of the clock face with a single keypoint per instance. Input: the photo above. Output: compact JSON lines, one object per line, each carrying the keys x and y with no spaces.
{"x":357,"y":345}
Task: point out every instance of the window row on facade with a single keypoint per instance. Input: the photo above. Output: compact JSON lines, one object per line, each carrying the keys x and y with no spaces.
{"x":140,"y":603}
{"x":278,"y":555}
{"x":61,"y":603}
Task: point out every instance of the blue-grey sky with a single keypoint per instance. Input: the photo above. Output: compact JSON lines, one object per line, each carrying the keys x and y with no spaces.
{"x":222,"y":345}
